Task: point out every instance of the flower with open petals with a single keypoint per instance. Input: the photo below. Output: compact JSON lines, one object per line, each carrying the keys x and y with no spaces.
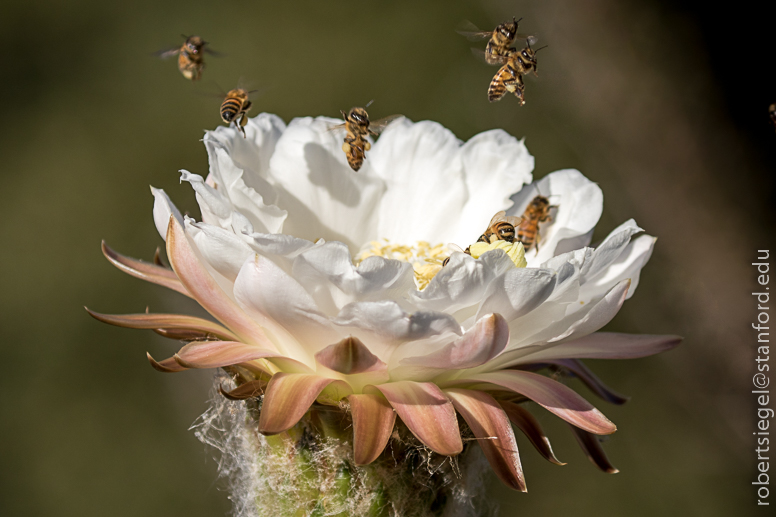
{"x":328,"y":285}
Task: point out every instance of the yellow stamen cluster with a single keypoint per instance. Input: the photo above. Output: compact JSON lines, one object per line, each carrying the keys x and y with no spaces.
{"x":514,"y":251}
{"x":426,"y":259}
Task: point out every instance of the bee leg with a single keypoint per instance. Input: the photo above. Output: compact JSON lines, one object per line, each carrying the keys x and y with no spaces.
{"x":367,"y":146}
{"x":346,"y":147}
{"x":241,"y":125}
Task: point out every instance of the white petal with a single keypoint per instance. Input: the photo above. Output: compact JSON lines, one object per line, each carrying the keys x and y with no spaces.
{"x":422,"y":168}
{"x":609,"y":250}
{"x":163,"y":209}
{"x":389,"y":319}
{"x":495,"y":165}
{"x":627,"y":265}
{"x":221,"y":249}
{"x":328,"y":274}
{"x":579,"y":202}
{"x":462,"y":282}
{"x":517,"y":292}
{"x":324,"y":197}
{"x":250,"y":154}
{"x":592,"y":317}
{"x":284,"y":308}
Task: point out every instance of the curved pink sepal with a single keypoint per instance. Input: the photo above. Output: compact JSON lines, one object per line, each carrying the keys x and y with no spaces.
{"x":608,"y":345}
{"x":144,"y":270}
{"x":288,"y":397}
{"x":373,"y":421}
{"x":527,"y":423}
{"x":350,"y":356}
{"x":163,"y":321}
{"x":214,"y":354}
{"x":490,"y":425}
{"x":427,"y":412}
{"x":169,"y":365}
{"x":552,"y":395}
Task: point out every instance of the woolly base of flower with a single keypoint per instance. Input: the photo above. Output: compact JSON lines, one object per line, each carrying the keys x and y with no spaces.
{"x":308,"y":470}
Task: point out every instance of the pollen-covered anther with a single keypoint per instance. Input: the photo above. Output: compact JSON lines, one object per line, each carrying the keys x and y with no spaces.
{"x":426,"y":259}
{"x":514,"y":250}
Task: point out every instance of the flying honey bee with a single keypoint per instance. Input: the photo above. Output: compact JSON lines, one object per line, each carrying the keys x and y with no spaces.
{"x":537,"y":211}
{"x":509,"y":78}
{"x":190,"y":58}
{"x":358,"y":127}
{"x":500,"y":39}
{"x":235,"y":108}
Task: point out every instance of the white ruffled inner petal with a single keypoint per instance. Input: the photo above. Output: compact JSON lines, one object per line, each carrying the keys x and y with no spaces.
{"x":422,"y":168}
{"x":324,"y":197}
{"x":328,"y":274}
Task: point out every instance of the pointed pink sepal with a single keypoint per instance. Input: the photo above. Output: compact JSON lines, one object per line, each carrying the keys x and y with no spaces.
{"x":169,"y":365}
{"x":373,"y":421}
{"x":163,"y":321}
{"x":593,"y":450}
{"x":289,"y":396}
{"x":552,"y":395}
{"x":427,"y":412}
{"x":349,"y":357}
{"x":490,"y":425}
{"x":144,"y":270}
{"x":527,"y":423}
{"x":214,"y":354}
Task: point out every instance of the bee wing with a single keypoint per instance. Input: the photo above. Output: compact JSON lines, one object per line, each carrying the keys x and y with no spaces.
{"x":499,"y":217}
{"x":472,"y":32}
{"x":531,"y":39}
{"x":378,"y":126}
{"x":452,"y":248}
{"x":502,"y":217}
{"x":214,"y":53}
{"x":164,"y":54}
{"x":338,"y":126}
{"x":491,"y":59}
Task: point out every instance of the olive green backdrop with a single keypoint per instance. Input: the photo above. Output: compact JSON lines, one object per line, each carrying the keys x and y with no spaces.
{"x":629,"y":92}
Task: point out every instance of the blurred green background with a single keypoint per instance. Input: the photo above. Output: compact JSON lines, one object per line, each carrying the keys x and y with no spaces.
{"x":664,"y":104}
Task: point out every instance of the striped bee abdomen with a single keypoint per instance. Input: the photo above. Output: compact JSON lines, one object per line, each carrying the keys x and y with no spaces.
{"x":230,"y":108}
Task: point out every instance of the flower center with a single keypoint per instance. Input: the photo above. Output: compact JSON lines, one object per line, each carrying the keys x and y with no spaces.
{"x":426,"y":259}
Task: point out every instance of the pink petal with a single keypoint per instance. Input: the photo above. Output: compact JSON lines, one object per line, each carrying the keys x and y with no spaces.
{"x":487,"y":421}
{"x":427,"y":412}
{"x":144,"y":270}
{"x":349,"y":356}
{"x":485,"y":340}
{"x":214,"y":354}
{"x":206,"y":290}
{"x":169,"y":365}
{"x":373,"y":420}
{"x":591,"y":444}
{"x":607,"y":345}
{"x":525,"y":421}
{"x":248,"y":390}
{"x":550,"y":394}
{"x":163,"y":321}
{"x":289,"y":396}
